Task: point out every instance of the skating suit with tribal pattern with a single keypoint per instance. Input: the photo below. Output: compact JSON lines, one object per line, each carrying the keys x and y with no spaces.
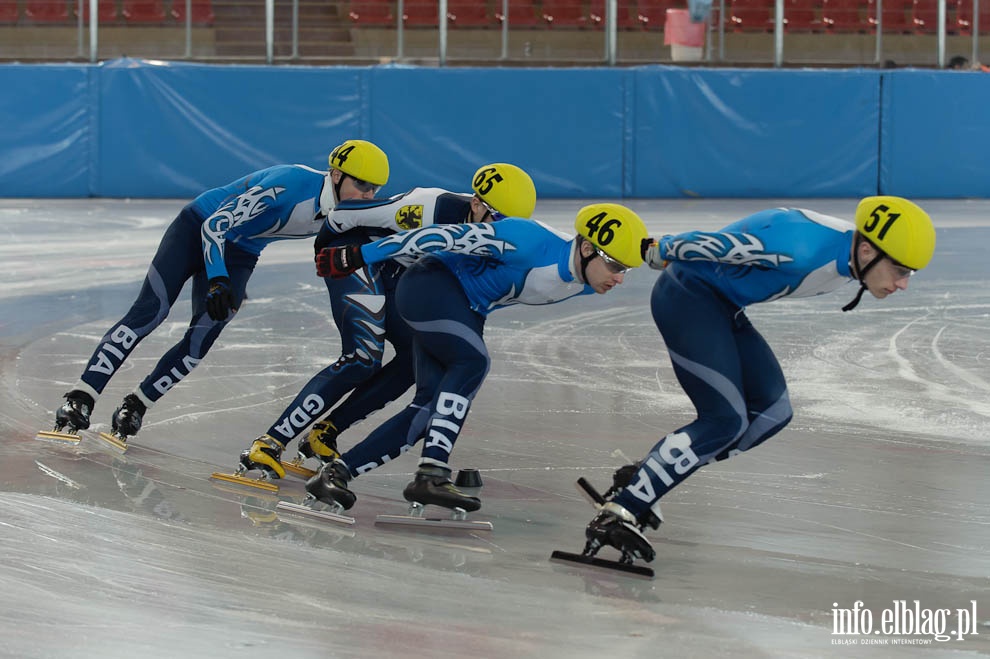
{"x":272,"y":204}
{"x":782,"y":252}
{"x":512,"y":261}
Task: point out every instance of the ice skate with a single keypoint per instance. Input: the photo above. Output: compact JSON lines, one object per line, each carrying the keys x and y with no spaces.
{"x":264,"y":456}
{"x":73,"y":416}
{"x":126,"y":421}
{"x":614,"y":526}
{"x":330,"y":486}
{"x":321,"y":443}
{"x":432,"y":486}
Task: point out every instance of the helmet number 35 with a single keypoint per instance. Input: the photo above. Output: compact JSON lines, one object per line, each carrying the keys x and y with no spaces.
{"x":604,"y":226}
{"x":878,"y":215}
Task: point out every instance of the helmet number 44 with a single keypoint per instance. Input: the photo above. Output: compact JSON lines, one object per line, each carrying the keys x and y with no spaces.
{"x":876,"y":216}
{"x":339,"y":155}
{"x":604,"y":226}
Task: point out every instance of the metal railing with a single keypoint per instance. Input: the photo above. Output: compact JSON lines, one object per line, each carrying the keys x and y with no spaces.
{"x":508,"y":32}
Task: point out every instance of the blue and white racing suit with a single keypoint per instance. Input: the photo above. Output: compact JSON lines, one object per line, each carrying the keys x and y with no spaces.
{"x":468,"y":271}
{"x":722,"y":362}
{"x":363,"y":307}
{"x":221,"y":233}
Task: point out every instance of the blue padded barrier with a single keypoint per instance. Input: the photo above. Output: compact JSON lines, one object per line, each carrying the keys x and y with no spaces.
{"x":935,"y":137}
{"x":47,"y":139}
{"x":134,"y":128}
{"x":754,"y":133}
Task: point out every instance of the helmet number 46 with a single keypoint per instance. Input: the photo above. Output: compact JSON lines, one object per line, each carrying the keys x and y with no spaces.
{"x":604,"y":226}
{"x":875,"y":218}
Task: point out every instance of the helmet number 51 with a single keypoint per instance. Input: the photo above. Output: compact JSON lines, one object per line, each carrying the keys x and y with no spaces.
{"x":876,"y":216}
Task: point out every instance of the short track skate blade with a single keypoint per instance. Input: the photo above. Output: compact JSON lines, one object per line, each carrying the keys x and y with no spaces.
{"x":297,"y":469}
{"x":52,"y":436}
{"x":593,"y":496}
{"x":594,"y":561}
{"x":256,"y":483}
{"x":434,"y":522}
{"x":285,"y":507}
{"x":113,"y":441}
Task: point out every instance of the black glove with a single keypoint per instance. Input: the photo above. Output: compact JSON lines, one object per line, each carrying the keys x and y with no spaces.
{"x":323,"y":238}
{"x":623,"y":476}
{"x":339,"y":262}
{"x":220,"y":300}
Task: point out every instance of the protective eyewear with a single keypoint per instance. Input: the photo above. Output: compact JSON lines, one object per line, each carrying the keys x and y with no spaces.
{"x":496,"y":216}
{"x":900,"y":271}
{"x":364,"y":186}
{"x":610,"y":263}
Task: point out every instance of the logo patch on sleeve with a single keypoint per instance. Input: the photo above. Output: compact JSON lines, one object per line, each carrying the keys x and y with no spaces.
{"x":409,"y":217}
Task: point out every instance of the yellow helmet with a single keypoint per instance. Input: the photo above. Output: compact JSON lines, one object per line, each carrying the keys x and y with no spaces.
{"x":899,"y":228}
{"x":361,"y":160}
{"x":615,"y":230}
{"x":506,"y":189}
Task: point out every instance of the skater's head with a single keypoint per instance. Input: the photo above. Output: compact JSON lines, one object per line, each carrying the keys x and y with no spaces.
{"x":609,"y":243}
{"x":501,"y":190}
{"x":894,"y":238}
{"x":358,"y":170}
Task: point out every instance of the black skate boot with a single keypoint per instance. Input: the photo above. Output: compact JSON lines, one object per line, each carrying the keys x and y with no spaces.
{"x":432,"y":486}
{"x":321,"y":443}
{"x":330,"y":485}
{"x":265,"y":455}
{"x":617,"y":527}
{"x":126,"y":420}
{"x":74,"y":413}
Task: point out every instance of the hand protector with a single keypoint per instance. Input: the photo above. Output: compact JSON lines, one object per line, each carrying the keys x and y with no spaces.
{"x":650,"y":249}
{"x":339,"y":262}
{"x":220,"y":299}
{"x":623,"y":476}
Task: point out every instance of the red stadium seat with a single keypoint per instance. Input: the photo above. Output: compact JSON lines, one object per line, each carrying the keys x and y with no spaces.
{"x":106,"y":11}
{"x":522,"y":13}
{"x":468,"y":13}
{"x":8,"y":12}
{"x":843,"y":16}
{"x":201,"y":11}
{"x":924,"y":16}
{"x":43,"y":11}
{"x":802,"y":15}
{"x":627,"y":13}
{"x":751,"y":15}
{"x":372,"y":12}
{"x":652,"y":14}
{"x":964,"y":16}
{"x":421,"y":13}
{"x":144,"y":11}
{"x":895,"y":15}
{"x":564,"y":13}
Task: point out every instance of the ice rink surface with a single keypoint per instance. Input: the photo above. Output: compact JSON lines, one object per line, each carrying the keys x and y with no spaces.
{"x":874,"y":500}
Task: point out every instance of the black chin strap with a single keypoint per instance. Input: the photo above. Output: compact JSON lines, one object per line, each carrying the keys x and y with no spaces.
{"x":585,"y":260}
{"x":861,"y":274}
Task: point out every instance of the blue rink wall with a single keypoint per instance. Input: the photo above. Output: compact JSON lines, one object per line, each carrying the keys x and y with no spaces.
{"x":135,"y":128}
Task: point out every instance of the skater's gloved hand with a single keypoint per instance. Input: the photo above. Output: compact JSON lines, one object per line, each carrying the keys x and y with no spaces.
{"x":220,"y":299}
{"x":339,"y":262}
{"x":324,"y":237}
{"x":650,"y":250}
{"x":624,"y":475}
